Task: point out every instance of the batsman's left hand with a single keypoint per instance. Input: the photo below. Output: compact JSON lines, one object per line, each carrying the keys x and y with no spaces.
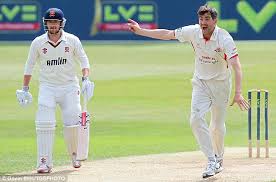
{"x":87,"y":88}
{"x":24,"y":97}
{"x":242,"y":103}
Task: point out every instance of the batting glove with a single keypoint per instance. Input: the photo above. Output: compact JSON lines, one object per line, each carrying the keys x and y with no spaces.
{"x":87,"y":88}
{"x":24,"y":97}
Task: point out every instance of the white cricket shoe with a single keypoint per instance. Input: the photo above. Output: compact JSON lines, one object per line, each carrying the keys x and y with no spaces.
{"x":219,"y":164}
{"x":43,"y":167}
{"x":210,"y":170}
{"x":76,"y":163}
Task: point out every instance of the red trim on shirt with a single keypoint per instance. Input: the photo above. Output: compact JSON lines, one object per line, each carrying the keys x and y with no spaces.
{"x":234,"y":56}
{"x":225,"y":57}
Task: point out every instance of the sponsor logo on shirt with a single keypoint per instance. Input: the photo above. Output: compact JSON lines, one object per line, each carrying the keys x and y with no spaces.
{"x":66,"y":49}
{"x":218,"y":49}
{"x":44,"y":50}
{"x":208,"y":60}
{"x":58,"y":61}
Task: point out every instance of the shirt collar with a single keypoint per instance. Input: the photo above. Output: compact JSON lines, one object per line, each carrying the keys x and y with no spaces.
{"x":214,"y":34}
{"x":62,"y":38}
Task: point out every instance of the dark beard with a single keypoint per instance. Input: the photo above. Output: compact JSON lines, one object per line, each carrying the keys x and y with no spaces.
{"x":53,"y":33}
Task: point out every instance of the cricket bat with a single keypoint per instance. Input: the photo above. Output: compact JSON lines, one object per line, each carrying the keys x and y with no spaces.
{"x":83,"y":132}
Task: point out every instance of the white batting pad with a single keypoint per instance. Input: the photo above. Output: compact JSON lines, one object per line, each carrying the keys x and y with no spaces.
{"x":71,"y":138}
{"x":45,"y":113}
{"x":83,"y":142}
{"x":45,"y":131}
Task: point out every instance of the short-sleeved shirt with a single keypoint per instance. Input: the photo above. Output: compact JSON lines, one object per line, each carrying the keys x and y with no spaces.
{"x":211,"y":56}
{"x":58,"y":63}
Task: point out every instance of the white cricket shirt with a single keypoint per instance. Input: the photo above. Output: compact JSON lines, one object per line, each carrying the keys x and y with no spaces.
{"x":211,"y":56}
{"x":57,"y":62}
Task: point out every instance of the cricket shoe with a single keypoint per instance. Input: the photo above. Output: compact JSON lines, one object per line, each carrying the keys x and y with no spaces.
{"x":210,"y":170}
{"x":219,"y":164}
{"x":43,"y":168}
{"x":76,"y":163}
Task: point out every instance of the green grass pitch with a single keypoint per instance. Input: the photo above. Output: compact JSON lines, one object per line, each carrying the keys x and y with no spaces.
{"x":141,"y":103}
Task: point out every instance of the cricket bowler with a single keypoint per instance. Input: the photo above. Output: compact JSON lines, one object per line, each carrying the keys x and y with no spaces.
{"x":215,"y":55}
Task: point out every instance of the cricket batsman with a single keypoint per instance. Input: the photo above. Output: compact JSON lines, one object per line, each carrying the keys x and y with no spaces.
{"x":215,"y":55}
{"x":57,"y":53}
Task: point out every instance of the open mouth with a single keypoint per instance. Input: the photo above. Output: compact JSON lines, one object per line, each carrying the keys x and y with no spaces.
{"x":204,"y":28}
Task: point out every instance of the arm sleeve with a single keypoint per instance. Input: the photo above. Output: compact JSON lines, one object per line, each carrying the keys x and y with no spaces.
{"x":230,"y":48}
{"x":184,"y":34}
{"x":32,"y":58}
{"x":81,"y":55}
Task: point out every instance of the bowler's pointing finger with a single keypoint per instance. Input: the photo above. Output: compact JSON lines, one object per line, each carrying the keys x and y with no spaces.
{"x":131,"y":21}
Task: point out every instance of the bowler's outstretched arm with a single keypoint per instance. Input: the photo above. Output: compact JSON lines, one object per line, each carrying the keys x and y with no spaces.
{"x":162,"y":34}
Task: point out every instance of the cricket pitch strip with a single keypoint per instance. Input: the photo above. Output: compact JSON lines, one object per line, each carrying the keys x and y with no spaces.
{"x":172,"y":167}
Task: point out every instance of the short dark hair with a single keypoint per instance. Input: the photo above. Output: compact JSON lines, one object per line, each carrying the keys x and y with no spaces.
{"x":207,"y":9}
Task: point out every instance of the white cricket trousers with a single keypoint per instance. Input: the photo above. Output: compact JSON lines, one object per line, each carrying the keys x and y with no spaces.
{"x":210,"y":95}
{"x":68,"y":98}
